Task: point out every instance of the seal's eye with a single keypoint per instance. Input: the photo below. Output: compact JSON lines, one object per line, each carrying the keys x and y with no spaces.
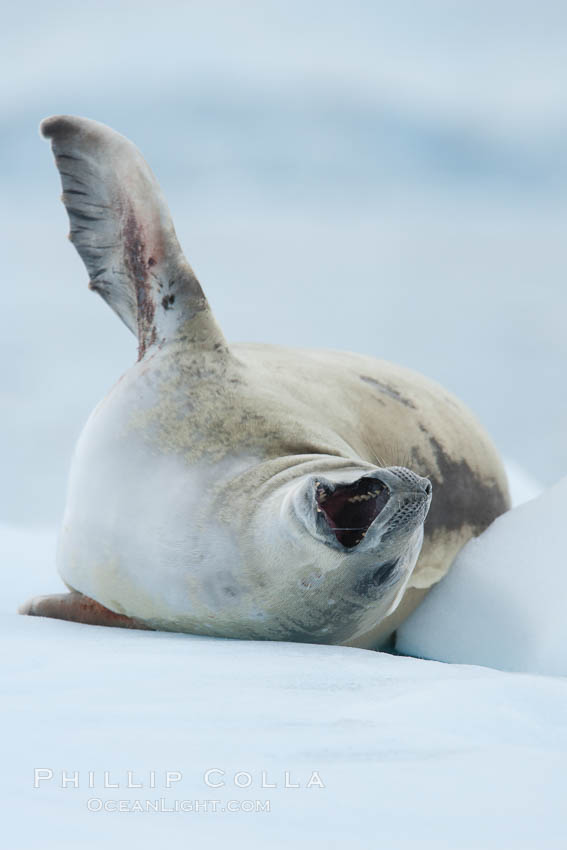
{"x":351,"y":509}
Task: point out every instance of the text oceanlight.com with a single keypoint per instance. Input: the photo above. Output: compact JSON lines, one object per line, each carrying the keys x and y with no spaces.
{"x":96,"y":804}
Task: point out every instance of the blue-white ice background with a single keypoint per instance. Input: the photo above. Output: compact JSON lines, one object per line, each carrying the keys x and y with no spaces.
{"x":381,"y":177}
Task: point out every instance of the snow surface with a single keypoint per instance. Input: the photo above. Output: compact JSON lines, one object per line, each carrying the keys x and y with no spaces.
{"x":504,"y":601}
{"x":412,"y":753}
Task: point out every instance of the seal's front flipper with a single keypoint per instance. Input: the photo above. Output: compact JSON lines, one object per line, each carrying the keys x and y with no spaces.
{"x":122,"y":229}
{"x":78,"y":608}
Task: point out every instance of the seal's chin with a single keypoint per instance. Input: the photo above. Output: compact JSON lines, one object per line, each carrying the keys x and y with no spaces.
{"x":351,"y":509}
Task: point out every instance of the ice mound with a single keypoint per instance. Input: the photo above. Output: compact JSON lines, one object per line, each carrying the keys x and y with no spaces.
{"x":504,"y":602}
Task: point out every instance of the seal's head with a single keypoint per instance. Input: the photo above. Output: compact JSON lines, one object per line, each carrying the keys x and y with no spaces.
{"x":353,"y":540}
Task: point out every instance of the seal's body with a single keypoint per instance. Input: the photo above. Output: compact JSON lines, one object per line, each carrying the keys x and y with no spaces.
{"x":248,"y":490}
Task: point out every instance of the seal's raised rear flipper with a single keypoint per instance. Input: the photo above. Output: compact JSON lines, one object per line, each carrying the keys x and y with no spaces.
{"x":122,"y":229}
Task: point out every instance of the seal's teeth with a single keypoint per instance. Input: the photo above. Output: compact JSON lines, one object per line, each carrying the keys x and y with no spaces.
{"x":362,"y":498}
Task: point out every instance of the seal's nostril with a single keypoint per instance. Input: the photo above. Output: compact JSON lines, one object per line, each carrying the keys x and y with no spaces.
{"x":428,"y":488}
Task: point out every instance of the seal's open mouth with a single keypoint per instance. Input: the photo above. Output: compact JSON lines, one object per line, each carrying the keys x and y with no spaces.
{"x":351,"y":509}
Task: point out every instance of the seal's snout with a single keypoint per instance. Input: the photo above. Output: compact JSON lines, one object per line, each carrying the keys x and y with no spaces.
{"x":409,"y":483}
{"x":350,"y":509}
